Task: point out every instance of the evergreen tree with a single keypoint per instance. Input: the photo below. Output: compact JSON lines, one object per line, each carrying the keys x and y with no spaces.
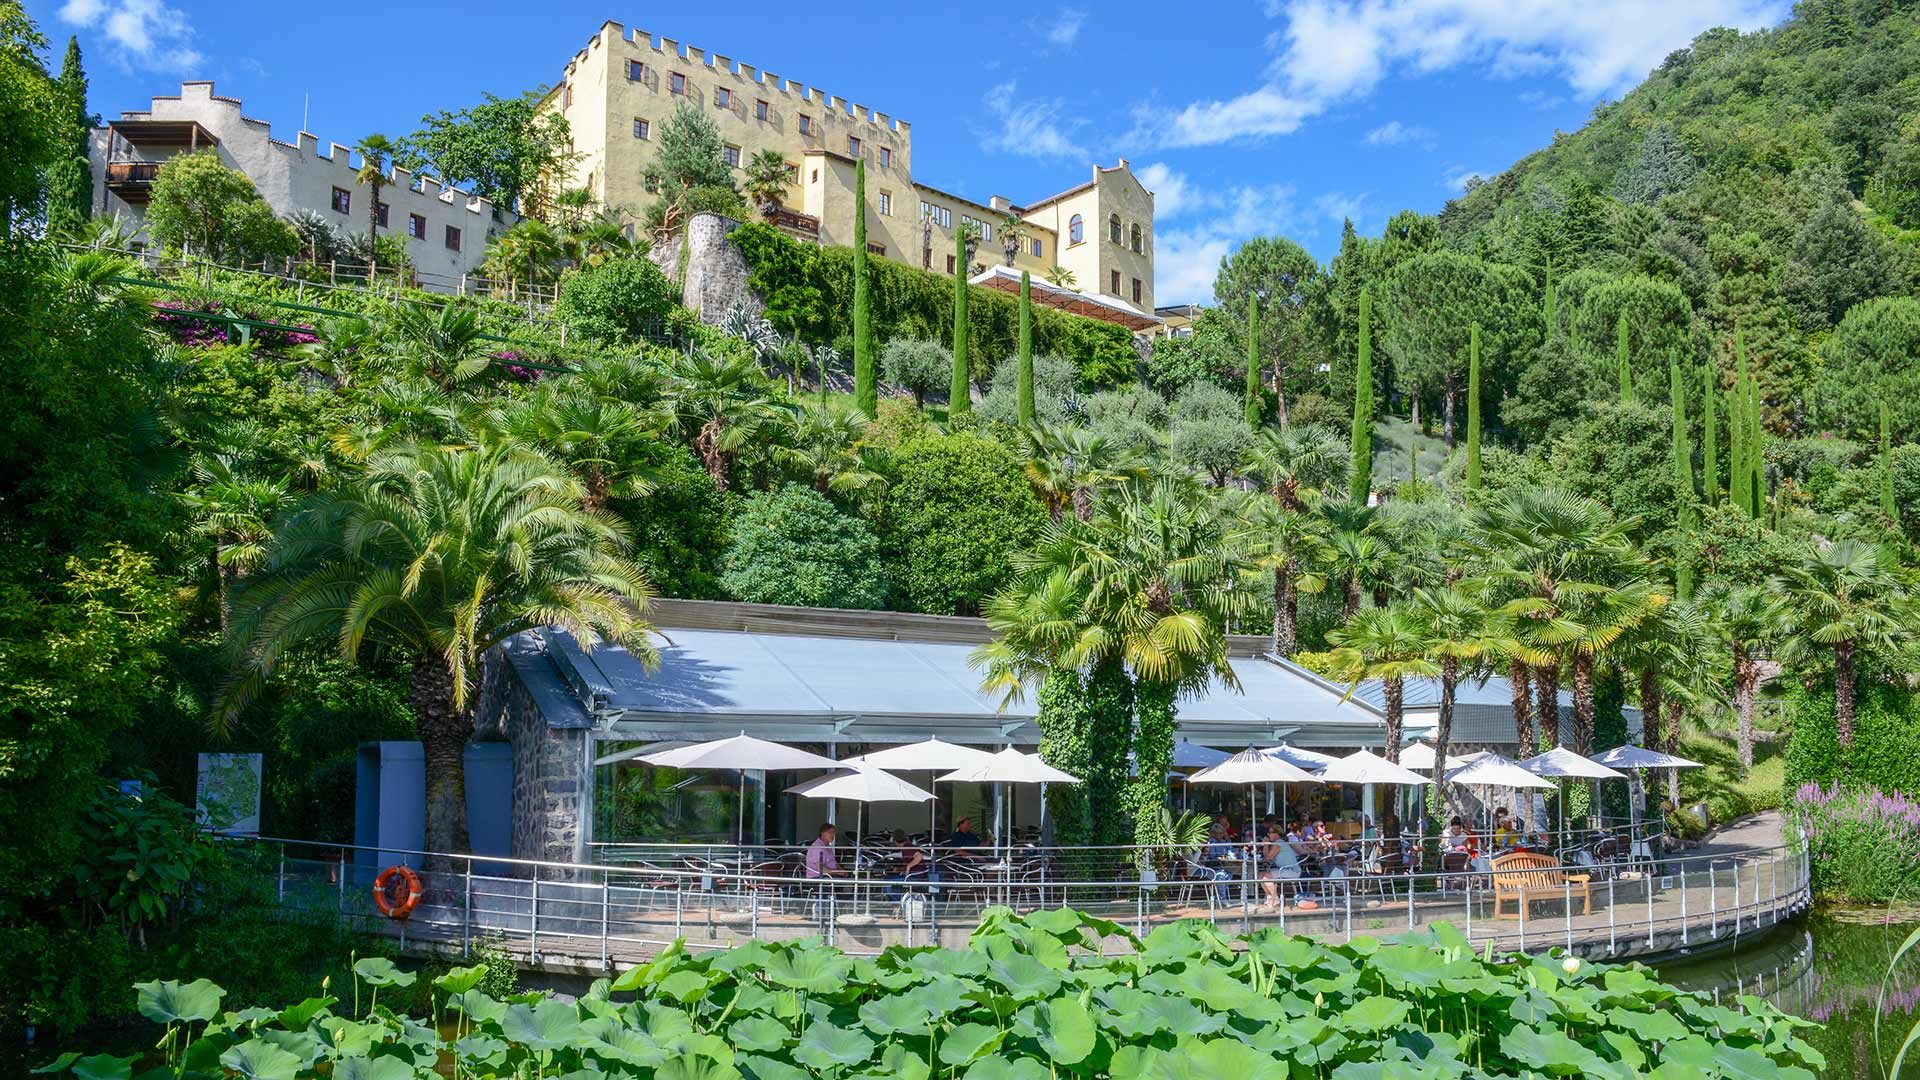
{"x":1024,"y":393}
{"x":1253,"y":361}
{"x":1887,"y":504}
{"x":1709,"y":439}
{"x":1360,"y":474}
{"x":1473,"y":410}
{"x":1624,"y":357}
{"x":960,"y":394}
{"x":866,"y":392}
{"x":70,"y":176}
{"x":1756,"y":452}
{"x":1682,"y":476}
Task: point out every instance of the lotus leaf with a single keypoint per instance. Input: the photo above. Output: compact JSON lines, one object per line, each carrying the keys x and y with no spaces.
{"x":1066,"y":1030}
{"x":101,"y":1067}
{"x":300,"y":1043}
{"x":380,"y":971}
{"x":686,"y":985}
{"x":258,"y":1059}
{"x":825,"y":1046}
{"x":999,"y":1068}
{"x":1552,"y":1051}
{"x":299,"y":1016}
{"x":481,"y":1050}
{"x":966,"y":1043}
{"x":964,"y":963}
{"x":380,"y":1068}
{"x":168,"y":1002}
{"x":766,"y":1068}
{"x":653,"y":970}
{"x":460,"y":979}
{"x":696,"y":1068}
{"x":1217,"y":1059}
{"x":1374,"y":1014}
{"x":815,"y":970}
{"x":1023,"y":977}
{"x":894,"y":1015}
{"x":550,"y":1025}
{"x":759,"y":1033}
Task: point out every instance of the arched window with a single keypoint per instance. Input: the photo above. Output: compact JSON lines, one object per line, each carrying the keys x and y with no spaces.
{"x":1076,"y":230}
{"x":1133,"y":240}
{"x":1113,"y":228}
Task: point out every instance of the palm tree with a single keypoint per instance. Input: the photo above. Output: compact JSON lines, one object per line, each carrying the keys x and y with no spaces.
{"x":1289,"y":547}
{"x":1061,"y":277}
{"x":235,"y":512}
{"x":437,"y":555}
{"x":1741,"y":618}
{"x":1389,"y":644}
{"x":1460,"y":633}
{"x":1357,"y":560}
{"x":823,"y":445}
{"x":573,"y":207}
{"x":602,"y":441}
{"x":1294,"y":463}
{"x":719,"y":400}
{"x":1068,"y":465}
{"x":1012,"y":231}
{"x":376,"y":155}
{"x":438,"y":342}
{"x":530,"y":246}
{"x":342,"y":339}
{"x":1839,"y":598}
{"x":598,"y":240}
{"x":766,"y":181}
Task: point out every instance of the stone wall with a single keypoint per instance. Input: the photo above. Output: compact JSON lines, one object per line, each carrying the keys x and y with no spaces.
{"x":549,"y":782}
{"x":716,"y":272}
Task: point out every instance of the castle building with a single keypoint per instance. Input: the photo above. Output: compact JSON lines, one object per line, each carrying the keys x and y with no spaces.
{"x":446,"y":229}
{"x":618,"y":92}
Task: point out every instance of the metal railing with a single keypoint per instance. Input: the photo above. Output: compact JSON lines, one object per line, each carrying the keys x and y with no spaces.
{"x":597,"y":916}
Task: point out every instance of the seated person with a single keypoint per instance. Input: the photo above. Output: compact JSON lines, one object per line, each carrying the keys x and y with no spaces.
{"x":963,"y":841}
{"x":821,"y":860}
{"x":909,"y":864}
{"x":1282,"y":864}
{"x":1219,"y":843}
{"x":1369,"y":841}
{"x":1504,"y":833}
{"x":1456,"y":838}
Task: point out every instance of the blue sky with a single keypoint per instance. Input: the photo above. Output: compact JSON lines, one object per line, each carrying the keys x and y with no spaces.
{"x":1282,"y":116}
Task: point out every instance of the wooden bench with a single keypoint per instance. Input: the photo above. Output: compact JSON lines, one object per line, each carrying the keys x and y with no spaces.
{"x":1520,"y":877}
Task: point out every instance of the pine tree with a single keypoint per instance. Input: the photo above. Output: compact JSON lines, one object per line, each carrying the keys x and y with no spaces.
{"x":866,"y":387}
{"x":1887,"y":505}
{"x":1024,"y":385}
{"x":1682,"y":476}
{"x":1253,"y":361}
{"x":960,"y":393}
{"x":1473,"y":410}
{"x":1710,"y":438}
{"x":1625,"y":358}
{"x":1360,"y":473}
{"x":70,"y":176}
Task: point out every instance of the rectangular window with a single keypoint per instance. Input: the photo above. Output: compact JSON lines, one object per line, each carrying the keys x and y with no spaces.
{"x":793,"y":173}
{"x":853,"y":146}
{"x":342,"y":201}
{"x":566,"y":95}
{"x":949,"y":264}
{"x":806,"y":124}
{"x":732,"y":156}
{"x":877,"y":249}
{"x":886,"y":204}
{"x":941,"y":216}
{"x":453,"y":238}
{"x":642,"y":129}
{"x":416,"y":226}
{"x":985,"y":227}
{"x":380,"y":214}
{"x":677,"y":83}
{"x":1115,"y":288}
{"x":1136,"y":290}
{"x":1039,"y":248}
{"x":636,"y":71}
{"x":759,"y":110}
{"x":886,"y":157}
{"x":723,"y":97}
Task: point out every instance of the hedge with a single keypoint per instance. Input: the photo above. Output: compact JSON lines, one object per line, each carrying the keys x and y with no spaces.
{"x":808,"y":290}
{"x":1886,"y":739}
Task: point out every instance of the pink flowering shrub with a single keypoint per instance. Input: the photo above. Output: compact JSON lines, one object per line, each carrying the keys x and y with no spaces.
{"x":1865,"y":843}
{"x":180,"y":319}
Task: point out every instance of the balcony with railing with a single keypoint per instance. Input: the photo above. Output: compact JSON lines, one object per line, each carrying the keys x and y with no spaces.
{"x":137,"y":148}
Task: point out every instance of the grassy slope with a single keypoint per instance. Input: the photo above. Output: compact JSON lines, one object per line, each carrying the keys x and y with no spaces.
{"x":1729,"y":795}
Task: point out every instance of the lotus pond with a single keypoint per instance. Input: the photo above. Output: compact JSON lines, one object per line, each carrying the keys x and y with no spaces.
{"x":1033,"y":998}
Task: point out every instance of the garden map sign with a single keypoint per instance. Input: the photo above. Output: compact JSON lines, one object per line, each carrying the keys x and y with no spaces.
{"x":228,"y":797}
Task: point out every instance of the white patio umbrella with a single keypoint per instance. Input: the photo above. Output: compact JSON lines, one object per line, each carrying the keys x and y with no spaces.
{"x":1191,"y":755}
{"x":1492,"y":770}
{"x":1563,"y":764}
{"x":931,"y":755}
{"x":1253,"y":767}
{"x":1419,"y":757}
{"x":744,"y":753}
{"x":1010,"y":766}
{"x":1363,"y":767}
{"x":1639,"y":757}
{"x":862,"y":786}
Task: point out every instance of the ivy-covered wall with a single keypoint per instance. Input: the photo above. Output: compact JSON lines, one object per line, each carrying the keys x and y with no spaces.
{"x":808,"y":290}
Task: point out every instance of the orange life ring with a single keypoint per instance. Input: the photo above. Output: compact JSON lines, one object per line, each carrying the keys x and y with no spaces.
{"x":383,"y":892}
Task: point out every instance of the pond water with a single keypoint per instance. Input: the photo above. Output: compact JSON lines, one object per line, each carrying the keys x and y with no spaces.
{"x":1826,"y":967}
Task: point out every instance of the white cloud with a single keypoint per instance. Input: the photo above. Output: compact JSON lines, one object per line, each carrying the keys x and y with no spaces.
{"x":1029,"y":128}
{"x":1330,"y":50}
{"x":1457,"y":177}
{"x":1187,"y":259}
{"x":1173,"y":194}
{"x":1340,"y":206}
{"x":1394,"y":133}
{"x":146,"y":34}
{"x":1064,"y":28}
{"x":1540,"y":99}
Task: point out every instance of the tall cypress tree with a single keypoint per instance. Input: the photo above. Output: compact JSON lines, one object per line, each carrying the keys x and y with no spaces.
{"x":1736,"y":448}
{"x":1625,"y":358}
{"x":866,"y":386}
{"x":1682,"y":476}
{"x":1709,"y":437}
{"x":1756,"y":449}
{"x":1253,"y":361}
{"x":1360,"y":472}
{"x":1553,"y":297}
{"x":1473,"y":409}
{"x":70,"y":177}
{"x":1024,"y":386}
{"x":960,"y":392}
{"x":1887,"y":505}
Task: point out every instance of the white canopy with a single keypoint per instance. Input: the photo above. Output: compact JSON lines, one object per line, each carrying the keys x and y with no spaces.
{"x":742,"y":751}
{"x":861,"y":785}
{"x":1010,"y":766}
{"x":1293,"y":755}
{"x":1638,"y":757}
{"x":1362,"y":767}
{"x":1496,"y":771}
{"x":930,"y":755}
{"x":1191,"y":755}
{"x":1420,"y":756}
{"x":1562,"y":762}
{"x":1254,"y":767}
